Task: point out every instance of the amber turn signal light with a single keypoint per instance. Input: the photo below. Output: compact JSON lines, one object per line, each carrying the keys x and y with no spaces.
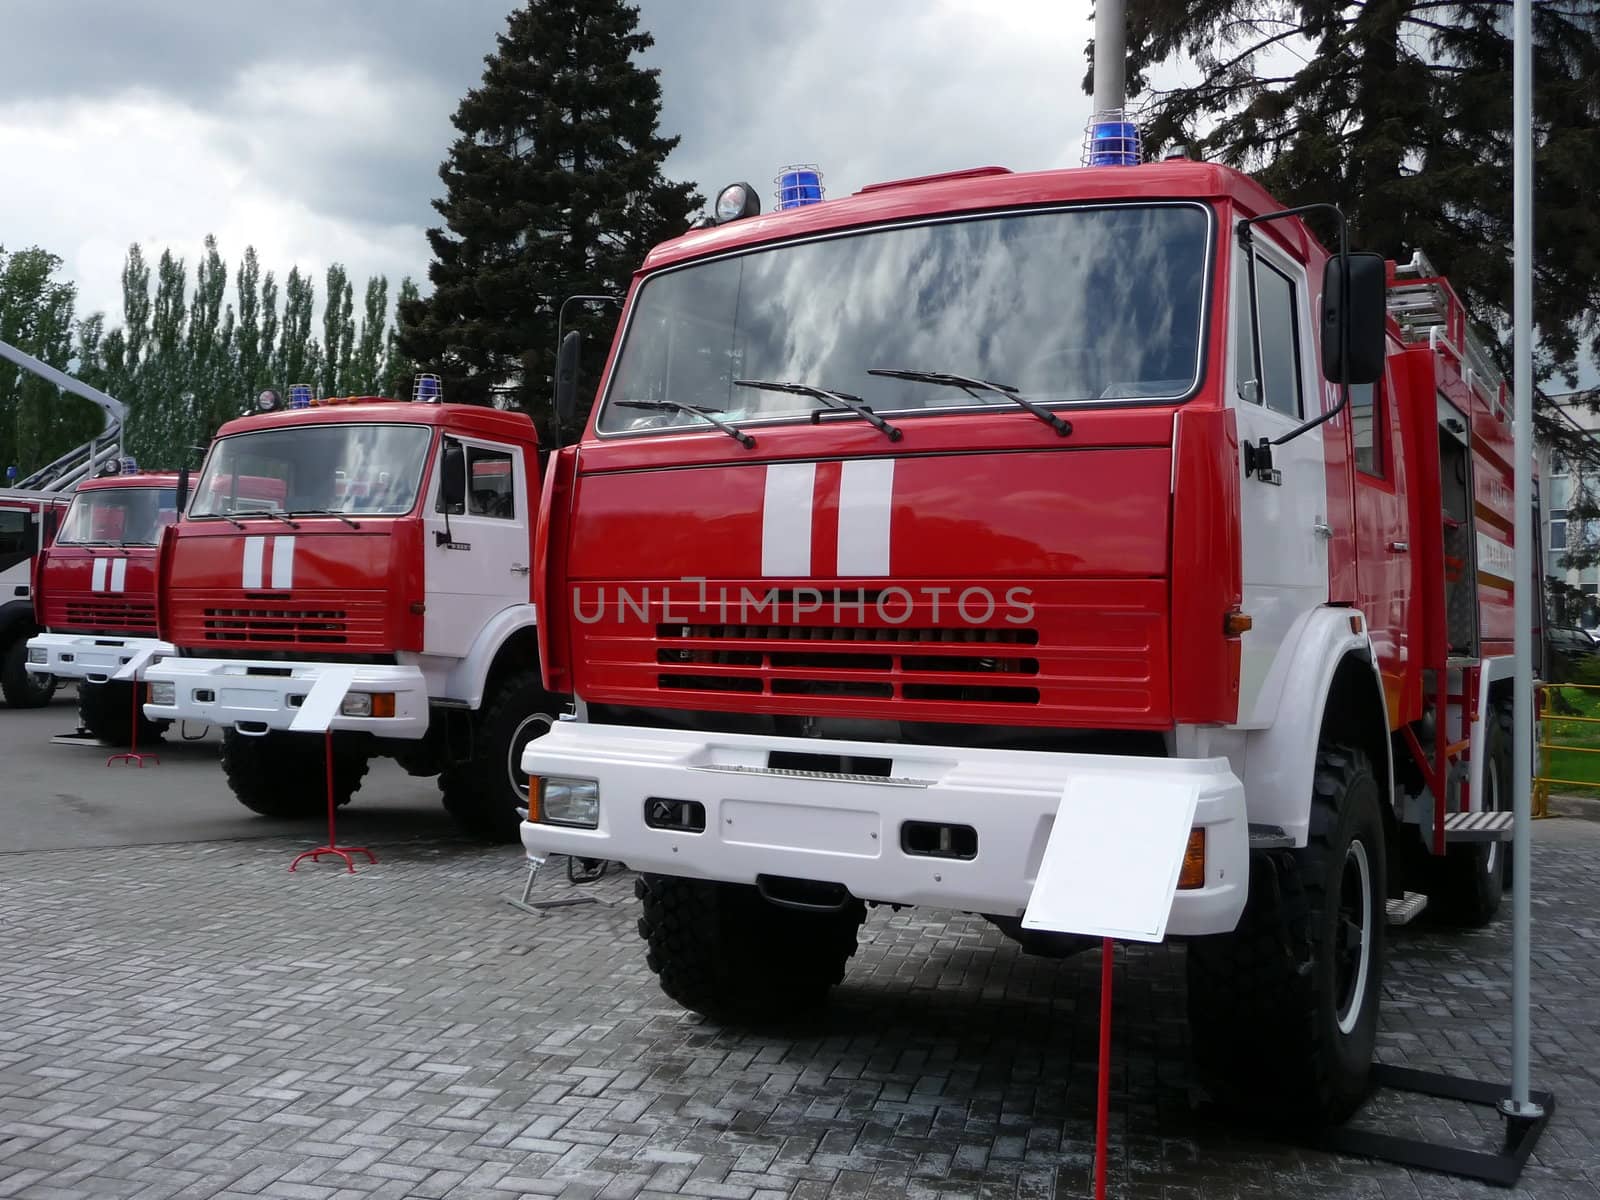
{"x":1236,"y":623}
{"x":383,"y":704}
{"x":1193,"y":874}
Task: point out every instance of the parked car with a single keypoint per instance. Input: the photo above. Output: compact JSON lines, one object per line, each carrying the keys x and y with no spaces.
{"x":1570,"y":646}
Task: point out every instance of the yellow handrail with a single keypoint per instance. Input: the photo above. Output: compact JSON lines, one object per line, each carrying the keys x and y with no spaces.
{"x":1549,"y":743}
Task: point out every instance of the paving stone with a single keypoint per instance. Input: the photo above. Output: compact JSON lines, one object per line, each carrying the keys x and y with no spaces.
{"x":188,"y":1021}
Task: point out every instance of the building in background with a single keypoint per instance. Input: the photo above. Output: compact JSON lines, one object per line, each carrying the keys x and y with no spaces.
{"x":1571,"y":539}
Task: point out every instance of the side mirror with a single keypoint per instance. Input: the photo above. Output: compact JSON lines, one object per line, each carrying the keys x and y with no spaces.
{"x":453,"y":478}
{"x":1354,"y":297}
{"x":567,"y":376}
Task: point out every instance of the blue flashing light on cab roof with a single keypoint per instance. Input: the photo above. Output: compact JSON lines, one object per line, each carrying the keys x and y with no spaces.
{"x":799,"y":186}
{"x":427,"y":389}
{"x":300,"y":395}
{"x":1112,"y":140}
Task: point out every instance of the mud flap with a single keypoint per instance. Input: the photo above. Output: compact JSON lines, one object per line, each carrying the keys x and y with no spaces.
{"x":1110,"y":868}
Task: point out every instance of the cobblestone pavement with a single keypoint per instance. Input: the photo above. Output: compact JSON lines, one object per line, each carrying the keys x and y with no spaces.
{"x":194,"y":1021}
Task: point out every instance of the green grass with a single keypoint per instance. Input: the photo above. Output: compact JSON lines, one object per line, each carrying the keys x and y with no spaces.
{"x":1561,"y":729}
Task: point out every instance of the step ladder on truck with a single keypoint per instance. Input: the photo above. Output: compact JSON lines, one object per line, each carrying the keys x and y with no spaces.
{"x":953,"y":542}
{"x":30,"y":510}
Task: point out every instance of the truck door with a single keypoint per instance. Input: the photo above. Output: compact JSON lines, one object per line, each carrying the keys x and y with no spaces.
{"x":1383,"y":542}
{"x":19,"y":541}
{"x":477,"y":559}
{"x":1273,"y":385}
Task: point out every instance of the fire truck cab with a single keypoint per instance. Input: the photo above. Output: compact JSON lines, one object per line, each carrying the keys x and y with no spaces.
{"x":95,"y":596}
{"x":361,"y":566}
{"x":27,"y":523}
{"x":912,"y":525}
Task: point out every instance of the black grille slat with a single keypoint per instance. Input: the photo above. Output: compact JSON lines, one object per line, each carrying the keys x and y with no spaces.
{"x":976,"y":635}
{"x":321,"y":626}
{"x":117,"y":615}
{"x":873,"y":661}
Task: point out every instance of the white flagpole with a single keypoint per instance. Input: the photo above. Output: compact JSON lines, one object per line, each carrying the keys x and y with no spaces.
{"x":1519,"y":1104}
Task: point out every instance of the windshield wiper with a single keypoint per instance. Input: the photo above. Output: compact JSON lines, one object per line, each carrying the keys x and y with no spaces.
{"x":744,"y":439}
{"x":972,"y":386}
{"x":324,"y":512}
{"x":262,"y":512}
{"x":841,"y":400}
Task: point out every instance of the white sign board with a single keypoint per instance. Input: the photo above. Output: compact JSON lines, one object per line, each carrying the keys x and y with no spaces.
{"x":323,"y":700}
{"x":1111,"y":865}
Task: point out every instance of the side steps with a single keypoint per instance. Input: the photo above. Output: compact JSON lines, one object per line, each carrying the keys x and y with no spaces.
{"x":1479,"y":826}
{"x":1406,"y":909}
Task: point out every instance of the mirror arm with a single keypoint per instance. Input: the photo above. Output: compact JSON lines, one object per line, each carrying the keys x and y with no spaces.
{"x":561,"y":323}
{"x":1243,"y":230}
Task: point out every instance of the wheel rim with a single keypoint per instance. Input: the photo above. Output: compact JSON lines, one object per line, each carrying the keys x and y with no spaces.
{"x":41,"y":687}
{"x":1353,"y":936}
{"x":525,"y":733}
{"x":1491,"y":803}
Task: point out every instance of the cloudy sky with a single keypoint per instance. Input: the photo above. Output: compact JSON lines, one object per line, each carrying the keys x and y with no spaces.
{"x":314,"y":128}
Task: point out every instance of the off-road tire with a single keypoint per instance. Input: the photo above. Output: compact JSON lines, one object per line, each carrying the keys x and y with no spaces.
{"x":284,"y":775}
{"x":722,"y":950}
{"x":1469,"y":881}
{"x":106,"y":711}
{"x":1265,"y":1001}
{"x":484,"y":793}
{"x":21,"y":689}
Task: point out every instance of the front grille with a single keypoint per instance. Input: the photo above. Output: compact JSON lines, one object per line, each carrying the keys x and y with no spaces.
{"x":113,"y":614}
{"x":321,"y":626}
{"x":859,"y":662}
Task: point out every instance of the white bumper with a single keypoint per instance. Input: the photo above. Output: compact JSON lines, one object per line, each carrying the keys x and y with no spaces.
{"x":254,"y":697}
{"x":847,"y":829}
{"x":88,"y":657}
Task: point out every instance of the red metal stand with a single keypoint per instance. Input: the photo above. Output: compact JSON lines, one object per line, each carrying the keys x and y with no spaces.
{"x":133,"y":756}
{"x":1102,"y":1108}
{"x":333,"y":848}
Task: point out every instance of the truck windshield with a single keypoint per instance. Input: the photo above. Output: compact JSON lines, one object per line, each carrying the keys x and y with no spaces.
{"x":370,"y":469}
{"x":1068,"y":306}
{"x":119,"y":517}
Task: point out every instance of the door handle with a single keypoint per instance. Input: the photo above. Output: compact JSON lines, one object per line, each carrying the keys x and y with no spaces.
{"x":1322,"y":529}
{"x":518,"y":569}
{"x":1399,"y":547}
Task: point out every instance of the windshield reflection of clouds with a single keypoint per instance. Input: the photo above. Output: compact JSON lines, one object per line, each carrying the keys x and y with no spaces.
{"x":359,"y":469}
{"x":120,"y":516}
{"x":1078,"y":305}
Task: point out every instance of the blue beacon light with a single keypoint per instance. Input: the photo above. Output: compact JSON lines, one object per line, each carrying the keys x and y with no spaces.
{"x":299,"y":395}
{"x":799,"y":186}
{"x":1112,"y":141}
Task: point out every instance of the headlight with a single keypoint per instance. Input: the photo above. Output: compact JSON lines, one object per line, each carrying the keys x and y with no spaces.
{"x":163,"y":693}
{"x":564,"y":801}
{"x":735,"y":201}
{"x":368,"y":704}
{"x":38,"y":654}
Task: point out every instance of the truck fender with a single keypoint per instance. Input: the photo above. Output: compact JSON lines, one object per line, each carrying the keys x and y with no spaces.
{"x":470,"y":675}
{"x":1280,"y":761}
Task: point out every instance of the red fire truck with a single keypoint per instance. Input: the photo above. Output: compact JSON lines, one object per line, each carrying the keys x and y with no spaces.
{"x":95,"y":596}
{"x":27,"y":522}
{"x":913,"y":527}
{"x":360,"y":564}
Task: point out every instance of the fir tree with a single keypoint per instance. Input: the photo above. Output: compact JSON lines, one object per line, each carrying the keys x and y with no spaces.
{"x":553,"y":188}
{"x":1400,"y":112}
